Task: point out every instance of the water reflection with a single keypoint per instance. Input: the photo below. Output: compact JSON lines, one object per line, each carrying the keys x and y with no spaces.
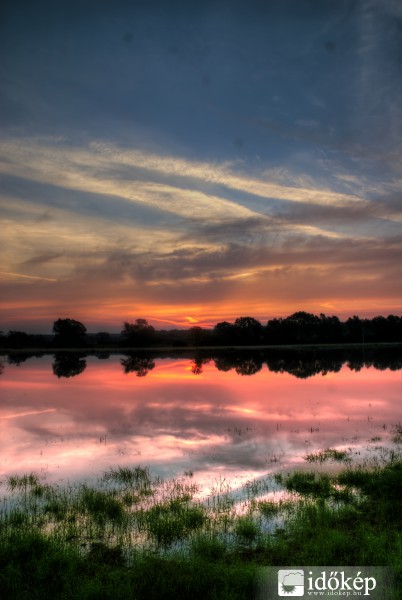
{"x":301,"y":363}
{"x":229,"y":416}
{"x":242,"y":363}
{"x":140,"y":365}
{"x":68,"y":364}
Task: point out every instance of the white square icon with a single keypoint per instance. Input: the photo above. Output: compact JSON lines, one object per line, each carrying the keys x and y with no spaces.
{"x":290,"y":582}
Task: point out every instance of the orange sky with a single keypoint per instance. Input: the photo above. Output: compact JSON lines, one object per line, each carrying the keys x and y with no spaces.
{"x":184,"y":177}
{"x":41,"y":304}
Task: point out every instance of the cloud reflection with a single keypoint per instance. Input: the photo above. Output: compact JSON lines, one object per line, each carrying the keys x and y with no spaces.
{"x":211,"y":422}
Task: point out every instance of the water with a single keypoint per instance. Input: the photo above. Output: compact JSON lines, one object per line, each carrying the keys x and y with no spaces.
{"x":180,"y":415}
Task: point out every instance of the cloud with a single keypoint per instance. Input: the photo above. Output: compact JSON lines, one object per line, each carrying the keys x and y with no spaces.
{"x":8,"y":274}
{"x":294,"y":578}
{"x":41,"y":259}
{"x":91,"y":170}
{"x":103,"y":230}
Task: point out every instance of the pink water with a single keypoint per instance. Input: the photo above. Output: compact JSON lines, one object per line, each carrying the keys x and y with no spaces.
{"x":216,"y":424}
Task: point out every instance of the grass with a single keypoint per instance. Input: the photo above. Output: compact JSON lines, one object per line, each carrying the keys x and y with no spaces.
{"x":329,"y":454}
{"x":135,"y":536}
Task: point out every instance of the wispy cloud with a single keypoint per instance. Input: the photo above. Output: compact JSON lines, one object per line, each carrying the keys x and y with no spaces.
{"x":97,"y":169}
{"x":218,"y":235}
{"x":22,"y":276}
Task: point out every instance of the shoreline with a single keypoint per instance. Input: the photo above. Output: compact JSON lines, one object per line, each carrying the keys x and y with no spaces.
{"x":126,"y":349}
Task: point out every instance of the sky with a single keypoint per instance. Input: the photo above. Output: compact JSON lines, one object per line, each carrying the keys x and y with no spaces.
{"x":193,"y":162}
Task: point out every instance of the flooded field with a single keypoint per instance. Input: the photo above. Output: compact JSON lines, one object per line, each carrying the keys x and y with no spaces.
{"x":231,"y":417}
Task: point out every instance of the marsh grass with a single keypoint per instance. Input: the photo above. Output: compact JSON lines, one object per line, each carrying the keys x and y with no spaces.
{"x":132,"y":535}
{"x":329,"y":454}
{"x":397,"y":434}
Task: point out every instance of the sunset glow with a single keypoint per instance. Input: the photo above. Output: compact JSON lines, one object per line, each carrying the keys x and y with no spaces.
{"x":193,"y":166}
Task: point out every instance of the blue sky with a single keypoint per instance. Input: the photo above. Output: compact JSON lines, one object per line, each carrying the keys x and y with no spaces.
{"x":192,"y":162}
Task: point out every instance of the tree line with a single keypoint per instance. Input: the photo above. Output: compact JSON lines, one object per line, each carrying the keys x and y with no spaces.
{"x":299,"y":328}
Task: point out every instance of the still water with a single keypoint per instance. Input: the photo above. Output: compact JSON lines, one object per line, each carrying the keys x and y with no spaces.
{"x":217,"y":418}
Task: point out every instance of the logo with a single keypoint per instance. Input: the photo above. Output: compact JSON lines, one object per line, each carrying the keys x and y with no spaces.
{"x":290,"y":582}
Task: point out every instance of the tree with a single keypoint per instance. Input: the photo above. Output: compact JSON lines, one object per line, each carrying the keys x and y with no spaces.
{"x":138,"y":333}
{"x":330,"y":329}
{"x":196,"y":335}
{"x":355,"y":329}
{"x":103,"y":338}
{"x":69,"y":332}
{"x":274,"y":331}
{"x":17,"y":339}
{"x":225,"y":333}
{"x":249,"y":330}
{"x":301,"y":328}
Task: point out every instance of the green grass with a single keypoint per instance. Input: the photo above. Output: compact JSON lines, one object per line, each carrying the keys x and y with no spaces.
{"x":329,"y":454}
{"x":135,"y":536}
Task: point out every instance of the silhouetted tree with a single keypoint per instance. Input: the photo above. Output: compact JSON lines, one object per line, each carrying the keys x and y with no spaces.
{"x":196,"y":335}
{"x":68,"y":364}
{"x":225,"y":333}
{"x":394,"y":328}
{"x":17,"y":339}
{"x":330,"y":329}
{"x":274,"y":331}
{"x":302,"y":327}
{"x":138,"y":333}
{"x":103,"y":338}
{"x":248,"y":330}
{"x":69,"y":333}
{"x":354,"y":329}
{"x":383,"y":329}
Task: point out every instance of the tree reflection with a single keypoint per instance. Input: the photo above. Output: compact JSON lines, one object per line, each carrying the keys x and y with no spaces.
{"x":308,"y":362}
{"x":246,"y":363}
{"x":224,"y":363}
{"x":20,"y":357}
{"x":197,"y":365}
{"x":248,"y":366}
{"x":301,"y":363}
{"x":140,"y":365}
{"x":102,"y":355}
{"x":68,"y":364}
{"x":304,"y":366}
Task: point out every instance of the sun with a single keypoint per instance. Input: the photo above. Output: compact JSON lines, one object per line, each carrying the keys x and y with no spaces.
{"x":191,"y":320}
{"x":288,"y":589}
